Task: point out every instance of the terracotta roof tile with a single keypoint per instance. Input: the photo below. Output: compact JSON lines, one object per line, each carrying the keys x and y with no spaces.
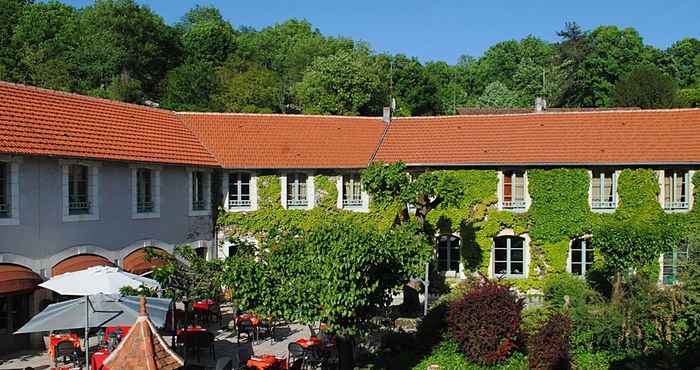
{"x":143,"y":348}
{"x":36,"y":121}
{"x":286,"y":141}
{"x":614,"y":137}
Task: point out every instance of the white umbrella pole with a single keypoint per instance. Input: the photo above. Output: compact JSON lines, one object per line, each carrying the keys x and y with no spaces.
{"x":87,"y":330}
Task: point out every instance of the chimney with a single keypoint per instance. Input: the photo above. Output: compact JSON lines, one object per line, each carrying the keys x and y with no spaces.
{"x":540,"y":104}
{"x":386,"y":117}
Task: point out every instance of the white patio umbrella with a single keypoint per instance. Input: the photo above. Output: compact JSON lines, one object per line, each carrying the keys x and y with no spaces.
{"x":95,"y":280}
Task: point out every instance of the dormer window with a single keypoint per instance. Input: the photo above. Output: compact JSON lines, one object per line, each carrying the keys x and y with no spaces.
{"x":603,"y":190}
{"x":676,"y":190}
{"x":297,"y":191}
{"x":514,"y":191}
{"x":352,"y":191}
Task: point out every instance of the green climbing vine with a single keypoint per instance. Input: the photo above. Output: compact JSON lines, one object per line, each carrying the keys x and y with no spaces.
{"x":632,"y":236}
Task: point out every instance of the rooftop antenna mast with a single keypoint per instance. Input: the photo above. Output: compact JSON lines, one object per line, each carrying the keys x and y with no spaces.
{"x":392,"y":101}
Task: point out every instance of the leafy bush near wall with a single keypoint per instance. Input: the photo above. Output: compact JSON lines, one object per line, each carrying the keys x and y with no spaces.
{"x":548,"y":349}
{"x":633,"y":236}
{"x":486,"y":323}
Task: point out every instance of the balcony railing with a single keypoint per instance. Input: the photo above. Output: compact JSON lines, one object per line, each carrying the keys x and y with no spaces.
{"x":238,"y":203}
{"x":144,"y":207}
{"x":198,"y":205}
{"x":353,"y":202}
{"x":514,"y":204}
{"x":78,"y":207}
{"x":599,"y":204}
{"x":297,"y":203}
{"x":675,"y":205}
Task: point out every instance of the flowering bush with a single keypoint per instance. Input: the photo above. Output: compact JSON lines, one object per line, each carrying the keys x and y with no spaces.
{"x":486,"y":322}
{"x":548,"y":349}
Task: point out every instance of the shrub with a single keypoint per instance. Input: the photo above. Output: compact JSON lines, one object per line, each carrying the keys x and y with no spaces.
{"x":486,"y":322}
{"x":549,"y":348}
{"x":447,"y":356}
{"x":558,"y":286}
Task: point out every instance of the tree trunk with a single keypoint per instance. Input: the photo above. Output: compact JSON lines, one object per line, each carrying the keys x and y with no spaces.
{"x":616,"y":294}
{"x":346,"y":357}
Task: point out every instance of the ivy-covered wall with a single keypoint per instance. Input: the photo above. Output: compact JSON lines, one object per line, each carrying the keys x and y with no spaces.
{"x":559,"y":212}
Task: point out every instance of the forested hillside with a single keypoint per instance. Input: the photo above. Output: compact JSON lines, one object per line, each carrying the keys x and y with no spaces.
{"x":122,"y":50}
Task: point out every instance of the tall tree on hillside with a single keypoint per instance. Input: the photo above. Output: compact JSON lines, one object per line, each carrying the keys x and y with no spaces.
{"x":206,"y":36}
{"x":573,"y":50}
{"x":252,"y":88}
{"x":121,"y":36}
{"x":44,"y":39}
{"x":455,"y":84}
{"x":613,"y":53}
{"x":10,"y":12}
{"x":288,"y":49}
{"x":346,"y":83}
{"x":410,"y":84}
{"x":645,"y":87}
{"x":498,"y":95}
{"x":190,"y":86}
{"x":684,"y":57}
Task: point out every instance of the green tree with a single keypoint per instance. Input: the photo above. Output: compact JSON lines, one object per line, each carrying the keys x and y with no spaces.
{"x":206,"y":36}
{"x":411,"y":85}
{"x":684,"y":58}
{"x":288,"y":49}
{"x":10,"y":12}
{"x":456,"y":84}
{"x":44,"y":39}
{"x":345,"y":83}
{"x":122,"y":88}
{"x":645,"y":87}
{"x":190,"y":87}
{"x":122,"y":36}
{"x":498,"y":95}
{"x":255,"y":90}
{"x":613,"y":54}
{"x":573,"y":50}
{"x":337,"y":272}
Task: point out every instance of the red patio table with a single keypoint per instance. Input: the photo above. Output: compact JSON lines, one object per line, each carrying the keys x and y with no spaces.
{"x":306,"y":343}
{"x":111,"y":329}
{"x":98,"y":358}
{"x":204,"y":305}
{"x":265,"y":362}
{"x":56,"y":338}
{"x":246,"y":316}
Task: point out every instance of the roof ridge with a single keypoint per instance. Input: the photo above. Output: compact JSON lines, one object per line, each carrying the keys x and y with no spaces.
{"x":326,"y":116}
{"x":551,"y":113}
{"x":80,"y":96}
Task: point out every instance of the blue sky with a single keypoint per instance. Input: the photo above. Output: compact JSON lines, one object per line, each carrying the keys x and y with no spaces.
{"x":444,"y":30}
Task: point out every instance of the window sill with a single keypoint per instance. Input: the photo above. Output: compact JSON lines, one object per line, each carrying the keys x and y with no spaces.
{"x":603,"y":210}
{"x":204,"y":212}
{"x":363,"y":209}
{"x":140,"y":216}
{"x":240,"y":209}
{"x":9,"y":221}
{"x":78,"y":218}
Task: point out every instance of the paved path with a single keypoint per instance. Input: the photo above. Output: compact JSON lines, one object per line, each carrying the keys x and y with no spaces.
{"x":226,"y":344}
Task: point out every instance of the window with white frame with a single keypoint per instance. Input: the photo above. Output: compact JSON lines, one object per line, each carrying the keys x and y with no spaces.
{"x":5,"y":190}
{"x":509,"y":256}
{"x":448,"y":253}
{"x":199,"y":189}
{"x":352,"y":191}
{"x":581,"y":256}
{"x":144,"y":190}
{"x":297,"y":190}
{"x":676,"y":185}
{"x":514,"y":191}
{"x":239,"y":190}
{"x":603,"y":189}
{"x":672,"y":261}
{"x":79,"y":197}
{"x":145,"y":183}
{"x":80,"y":191}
